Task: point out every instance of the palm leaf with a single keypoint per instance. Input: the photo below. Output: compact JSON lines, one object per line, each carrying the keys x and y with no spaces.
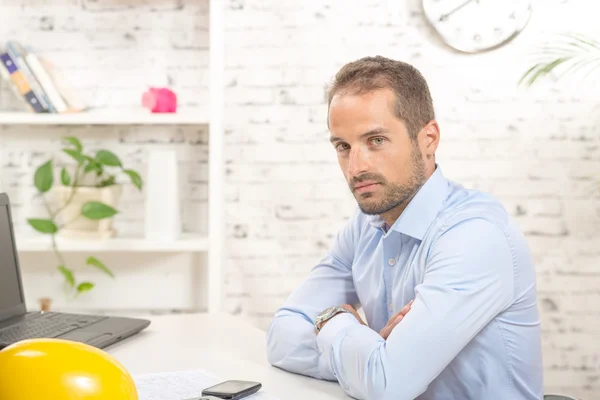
{"x":581,"y":39}
{"x":578,"y":65}
{"x":543,"y":69}
{"x":593,"y":69}
{"x":572,"y":53}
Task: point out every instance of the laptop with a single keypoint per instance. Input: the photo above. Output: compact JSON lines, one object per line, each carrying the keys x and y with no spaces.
{"x":17,"y":324}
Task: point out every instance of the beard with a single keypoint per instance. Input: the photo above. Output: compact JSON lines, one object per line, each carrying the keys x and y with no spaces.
{"x":395,"y":194}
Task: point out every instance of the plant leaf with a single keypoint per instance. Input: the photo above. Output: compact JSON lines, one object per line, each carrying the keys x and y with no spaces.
{"x":75,"y":142}
{"x":545,"y":69}
{"x":43,"y":225}
{"x":85,"y":287}
{"x":44,"y":178}
{"x":578,"y":65}
{"x":93,"y":166}
{"x":65,"y":177}
{"x":574,"y":50}
{"x":97,"y":210}
{"x":135,"y":178}
{"x":107,"y":182}
{"x":77,"y":156}
{"x":595,"y":67}
{"x":93,"y":261}
{"x":529,"y":71}
{"x":581,"y":39}
{"x":68,"y":274}
{"x":108,"y":158}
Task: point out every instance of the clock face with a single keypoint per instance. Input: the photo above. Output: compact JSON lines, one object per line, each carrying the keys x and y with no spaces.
{"x":477,"y":25}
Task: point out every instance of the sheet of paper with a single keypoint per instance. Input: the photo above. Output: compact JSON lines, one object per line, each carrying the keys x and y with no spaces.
{"x":181,"y":385}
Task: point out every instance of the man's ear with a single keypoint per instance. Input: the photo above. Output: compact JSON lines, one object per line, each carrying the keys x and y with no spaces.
{"x":430,"y":138}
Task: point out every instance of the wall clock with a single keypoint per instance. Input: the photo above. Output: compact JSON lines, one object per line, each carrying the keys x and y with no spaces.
{"x":473,"y":26}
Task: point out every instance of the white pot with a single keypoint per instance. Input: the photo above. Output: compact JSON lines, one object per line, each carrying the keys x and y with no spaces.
{"x":76,"y":225}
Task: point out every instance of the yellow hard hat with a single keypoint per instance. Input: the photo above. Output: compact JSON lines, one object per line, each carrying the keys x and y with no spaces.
{"x":57,"y":369}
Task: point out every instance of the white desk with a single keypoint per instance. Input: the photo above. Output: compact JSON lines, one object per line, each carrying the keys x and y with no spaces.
{"x":224,"y":345}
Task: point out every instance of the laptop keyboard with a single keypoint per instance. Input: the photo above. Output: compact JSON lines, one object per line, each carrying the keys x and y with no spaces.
{"x":46,"y":325}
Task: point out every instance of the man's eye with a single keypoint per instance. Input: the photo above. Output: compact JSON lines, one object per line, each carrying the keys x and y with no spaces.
{"x":341,"y":147}
{"x":378,"y":140}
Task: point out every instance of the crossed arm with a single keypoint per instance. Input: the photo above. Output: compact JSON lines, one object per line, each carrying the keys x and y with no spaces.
{"x":462,"y":291}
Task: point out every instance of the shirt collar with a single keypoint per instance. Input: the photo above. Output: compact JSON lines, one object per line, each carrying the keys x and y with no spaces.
{"x":422,"y":209}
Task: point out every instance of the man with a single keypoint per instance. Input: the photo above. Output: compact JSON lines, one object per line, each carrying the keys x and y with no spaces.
{"x":443,"y":275}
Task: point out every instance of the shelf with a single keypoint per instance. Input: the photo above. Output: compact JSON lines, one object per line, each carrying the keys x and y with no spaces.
{"x":106,"y":117}
{"x":186,"y":243}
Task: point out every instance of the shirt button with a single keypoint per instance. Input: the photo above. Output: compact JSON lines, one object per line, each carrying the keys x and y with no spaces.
{"x":392,"y":262}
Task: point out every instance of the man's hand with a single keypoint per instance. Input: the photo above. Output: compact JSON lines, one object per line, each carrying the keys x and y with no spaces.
{"x":387,"y":330}
{"x":354,"y":312}
{"x":395,"y":320}
{"x":351,"y":309}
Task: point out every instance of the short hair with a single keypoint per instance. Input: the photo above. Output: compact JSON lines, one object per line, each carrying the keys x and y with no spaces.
{"x":413,"y":100}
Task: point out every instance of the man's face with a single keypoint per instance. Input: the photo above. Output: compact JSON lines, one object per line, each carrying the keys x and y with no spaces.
{"x":384,"y":168}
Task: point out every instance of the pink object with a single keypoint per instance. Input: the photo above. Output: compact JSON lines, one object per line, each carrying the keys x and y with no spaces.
{"x":160,"y":100}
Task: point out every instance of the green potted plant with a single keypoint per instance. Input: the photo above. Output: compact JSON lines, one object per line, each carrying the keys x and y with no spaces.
{"x":570,"y":53}
{"x":85,"y":203}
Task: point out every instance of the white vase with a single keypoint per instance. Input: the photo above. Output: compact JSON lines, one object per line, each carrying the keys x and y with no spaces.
{"x":163,"y":219}
{"x":76,"y":225}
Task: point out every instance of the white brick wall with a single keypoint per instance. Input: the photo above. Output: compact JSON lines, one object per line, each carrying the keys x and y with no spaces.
{"x":536,"y":149}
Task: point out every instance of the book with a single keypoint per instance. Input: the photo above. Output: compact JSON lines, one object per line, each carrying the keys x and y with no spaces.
{"x":46,"y":82}
{"x":21,"y":83}
{"x":74,"y":102}
{"x":6,"y":76}
{"x":35,"y":80}
{"x":17,"y":52}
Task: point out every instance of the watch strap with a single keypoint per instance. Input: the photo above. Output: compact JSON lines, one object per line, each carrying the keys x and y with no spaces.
{"x":327,"y":314}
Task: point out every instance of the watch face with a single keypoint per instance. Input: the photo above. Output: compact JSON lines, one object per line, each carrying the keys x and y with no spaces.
{"x":477,"y":25}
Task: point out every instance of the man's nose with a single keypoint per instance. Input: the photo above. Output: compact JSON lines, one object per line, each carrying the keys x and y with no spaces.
{"x":358,"y":162}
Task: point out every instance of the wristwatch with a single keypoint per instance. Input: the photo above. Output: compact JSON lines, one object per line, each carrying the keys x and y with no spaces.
{"x":327,"y":314}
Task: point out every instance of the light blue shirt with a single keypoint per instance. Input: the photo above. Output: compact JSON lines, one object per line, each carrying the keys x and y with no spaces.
{"x":473,"y":331}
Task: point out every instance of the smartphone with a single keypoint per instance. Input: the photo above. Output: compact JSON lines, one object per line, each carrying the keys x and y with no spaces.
{"x":232,"y":390}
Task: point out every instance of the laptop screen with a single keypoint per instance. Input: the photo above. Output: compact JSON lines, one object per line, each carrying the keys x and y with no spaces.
{"x":10,"y":287}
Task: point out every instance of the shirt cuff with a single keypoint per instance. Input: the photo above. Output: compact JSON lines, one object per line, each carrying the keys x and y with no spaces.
{"x":329,"y":334}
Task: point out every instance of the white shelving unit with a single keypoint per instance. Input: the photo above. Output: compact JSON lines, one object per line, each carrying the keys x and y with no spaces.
{"x":213,"y":118}
{"x":108,"y":117}
{"x":216,"y":196}
{"x":187,"y":243}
